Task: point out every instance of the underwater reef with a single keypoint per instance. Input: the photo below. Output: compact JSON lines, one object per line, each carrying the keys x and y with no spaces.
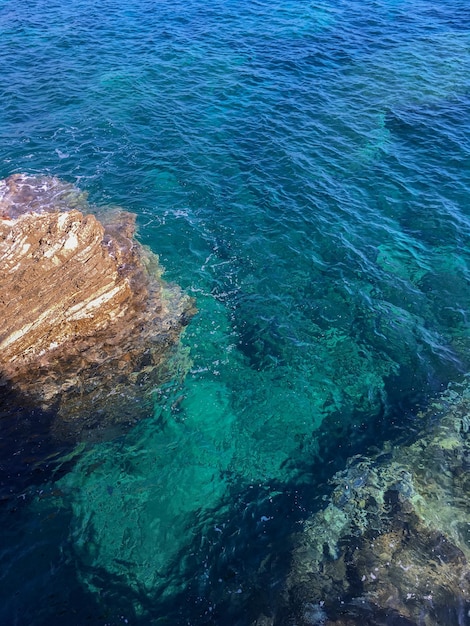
{"x":392,"y":545}
{"x":89,"y":328}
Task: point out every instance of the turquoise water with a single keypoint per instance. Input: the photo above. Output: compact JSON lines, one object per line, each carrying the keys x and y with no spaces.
{"x":303,"y":171}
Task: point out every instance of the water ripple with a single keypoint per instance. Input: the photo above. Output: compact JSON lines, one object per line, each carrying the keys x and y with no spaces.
{"x":303,"y":171}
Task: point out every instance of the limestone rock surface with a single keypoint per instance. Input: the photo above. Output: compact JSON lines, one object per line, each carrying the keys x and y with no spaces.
{"x":88,"y":328}
{"x":392,"y":545}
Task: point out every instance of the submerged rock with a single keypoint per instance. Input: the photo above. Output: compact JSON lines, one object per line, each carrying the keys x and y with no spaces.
{"x":392,"y":545}
{"x":89,"y":328}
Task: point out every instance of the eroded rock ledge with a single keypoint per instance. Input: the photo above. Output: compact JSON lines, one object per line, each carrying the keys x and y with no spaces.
{"x":88,"y":326}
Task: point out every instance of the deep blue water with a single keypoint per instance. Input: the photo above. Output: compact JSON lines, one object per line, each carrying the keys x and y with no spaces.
{"x":303,"y":170}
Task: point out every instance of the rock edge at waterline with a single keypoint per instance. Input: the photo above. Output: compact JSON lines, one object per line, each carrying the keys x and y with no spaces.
{"x":89,"y":328}
{"x":392,"y":545}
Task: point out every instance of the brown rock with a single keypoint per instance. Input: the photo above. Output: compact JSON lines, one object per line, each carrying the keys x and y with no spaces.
{"x":88,"y":325}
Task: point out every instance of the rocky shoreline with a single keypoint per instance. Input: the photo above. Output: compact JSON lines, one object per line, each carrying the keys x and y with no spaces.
{"x":392,"y":544}
{"x":89,"y":328}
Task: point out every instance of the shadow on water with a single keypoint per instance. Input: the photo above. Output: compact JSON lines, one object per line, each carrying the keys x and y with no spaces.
{"x":29,"y":454}
{"x":37,"y":446}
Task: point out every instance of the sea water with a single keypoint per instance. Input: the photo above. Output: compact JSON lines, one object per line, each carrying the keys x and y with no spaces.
{"x":303,"y":171}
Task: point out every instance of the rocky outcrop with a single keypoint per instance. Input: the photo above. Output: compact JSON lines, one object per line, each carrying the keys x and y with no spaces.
{"x":392,"y":546}
{"x":88,"y":326}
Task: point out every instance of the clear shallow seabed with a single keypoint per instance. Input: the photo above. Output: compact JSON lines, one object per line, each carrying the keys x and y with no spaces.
{"x":303,"y":170}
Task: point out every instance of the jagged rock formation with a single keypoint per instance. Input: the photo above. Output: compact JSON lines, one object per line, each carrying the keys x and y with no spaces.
{"x":393,"y":544}
{"x":88,"y":325}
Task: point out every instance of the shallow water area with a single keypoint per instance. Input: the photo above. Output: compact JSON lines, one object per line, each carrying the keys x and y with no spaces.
{"x":303,"y":172}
